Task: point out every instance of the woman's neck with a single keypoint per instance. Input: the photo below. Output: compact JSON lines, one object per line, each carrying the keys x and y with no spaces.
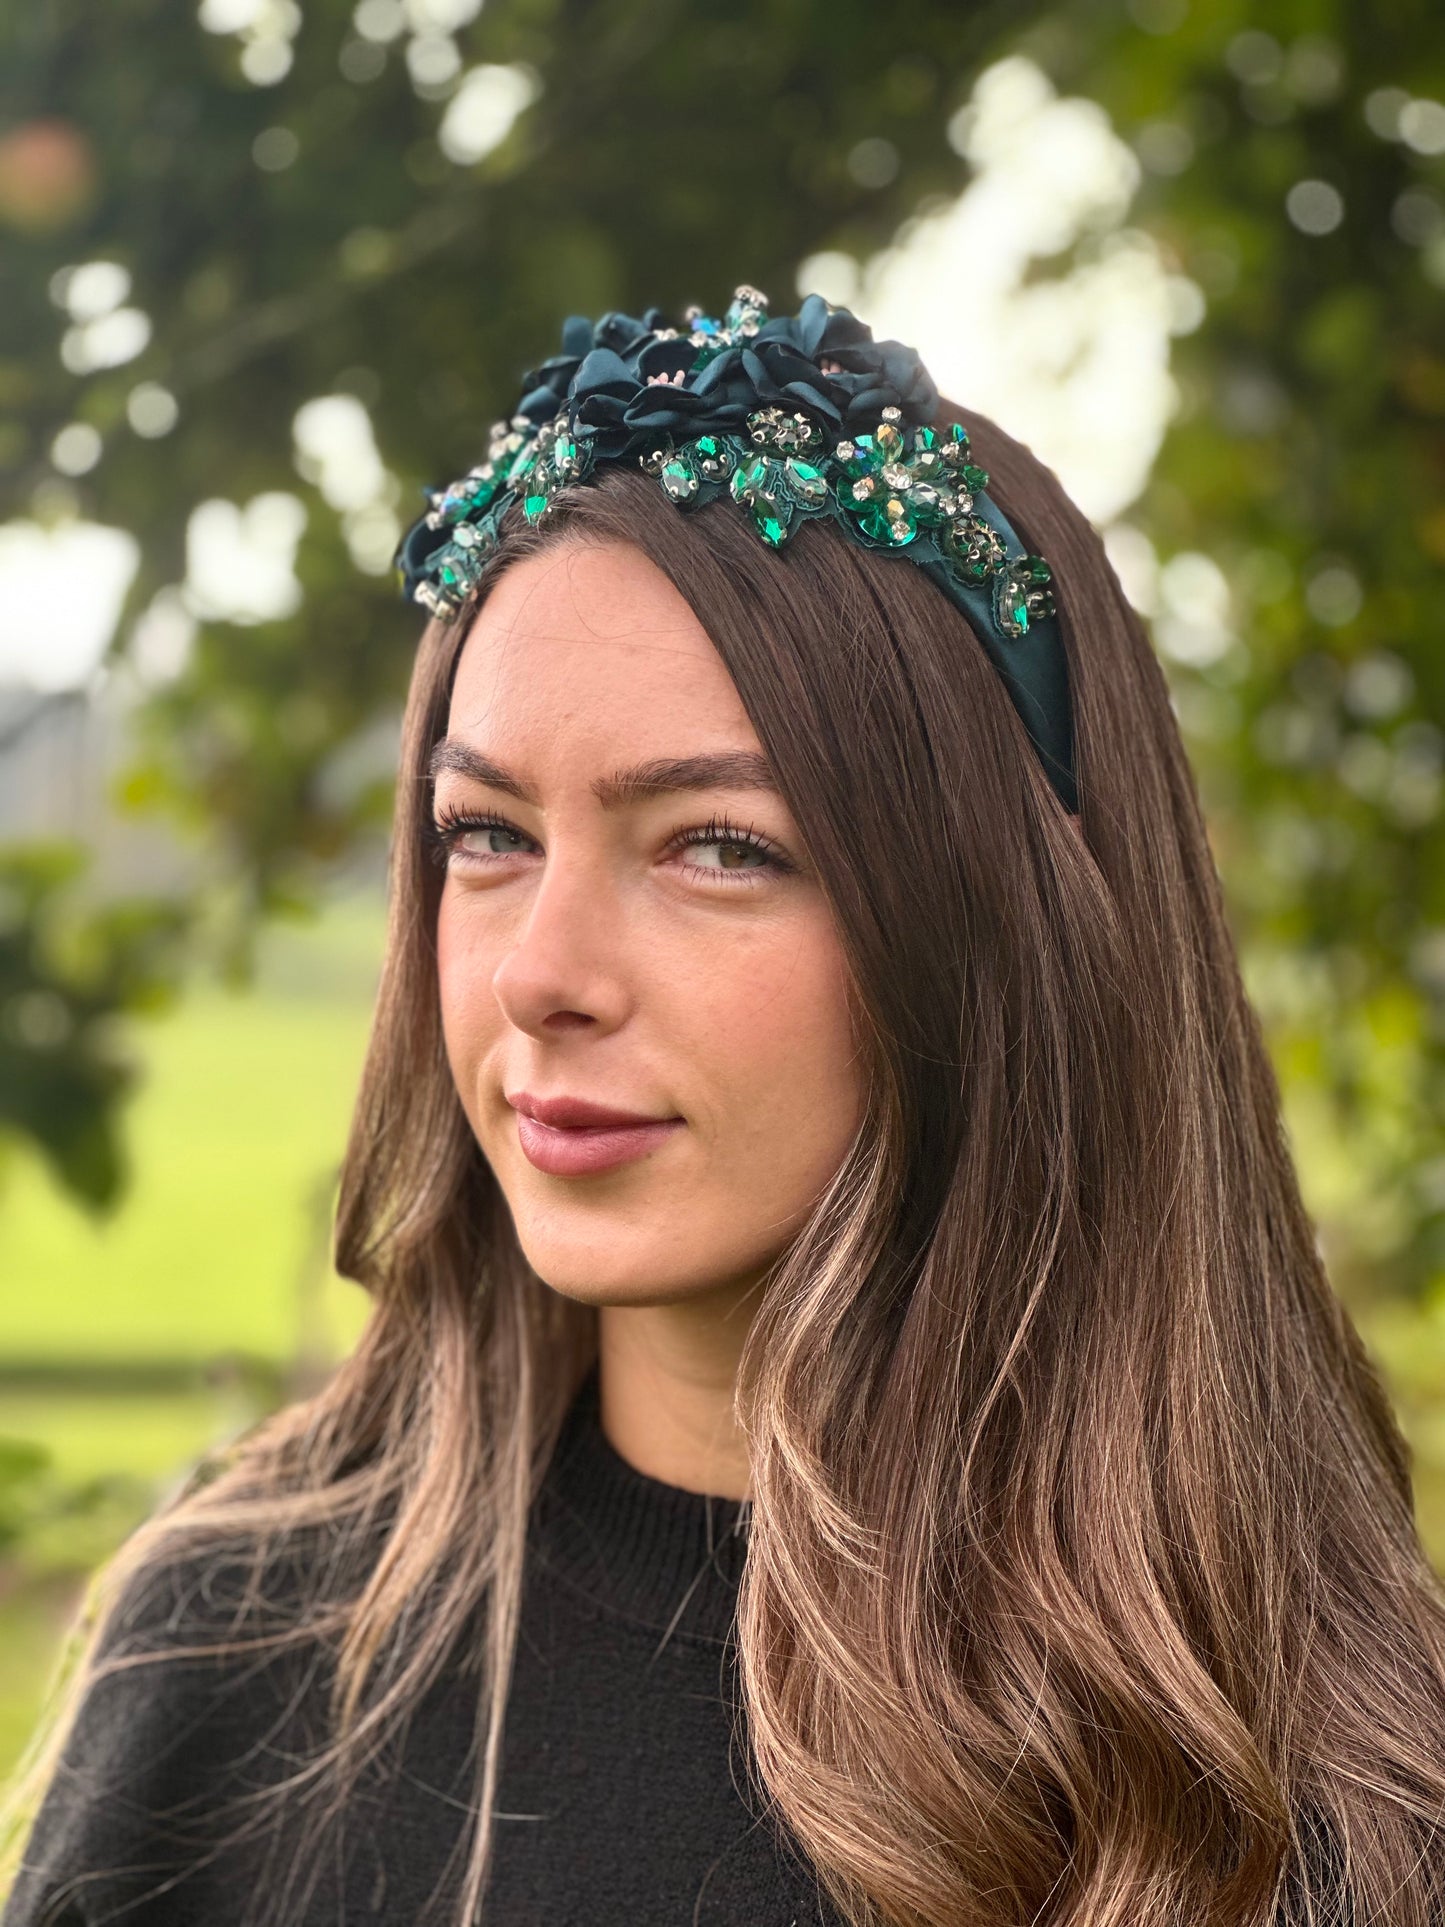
{"x":666,"y":1375}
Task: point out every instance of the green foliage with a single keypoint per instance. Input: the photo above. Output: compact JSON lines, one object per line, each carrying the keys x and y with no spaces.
{"x":67,"y":972}
{"x":74,"y":1520}
{"x":217,"y":1269}
{"x":1307,"y":458}
{"x":22,"y":1466}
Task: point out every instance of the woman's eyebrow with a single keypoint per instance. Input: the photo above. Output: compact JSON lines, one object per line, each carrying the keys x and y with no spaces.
{"x":727,"y":769}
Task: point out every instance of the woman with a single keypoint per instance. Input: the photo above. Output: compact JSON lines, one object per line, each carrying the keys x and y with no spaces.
{"x":911,"y":1469}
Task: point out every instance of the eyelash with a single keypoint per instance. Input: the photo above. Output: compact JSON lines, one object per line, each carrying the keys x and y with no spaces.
{"x":450,"y":824}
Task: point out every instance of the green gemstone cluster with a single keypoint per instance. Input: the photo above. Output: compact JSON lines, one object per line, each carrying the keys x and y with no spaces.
{"x":746,"y":313}
{"x":888,"y":488}
{"x":523,"y":462}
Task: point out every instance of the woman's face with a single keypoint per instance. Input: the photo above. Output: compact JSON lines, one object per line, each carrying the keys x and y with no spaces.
{"x":660,"y":947}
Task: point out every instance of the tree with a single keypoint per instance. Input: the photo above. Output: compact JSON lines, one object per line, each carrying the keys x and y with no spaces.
{"x":1297,"y":161}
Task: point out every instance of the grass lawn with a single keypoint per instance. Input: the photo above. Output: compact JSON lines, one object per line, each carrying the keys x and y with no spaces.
{"x":236,"y":1137}
{"x":220,"y":1246}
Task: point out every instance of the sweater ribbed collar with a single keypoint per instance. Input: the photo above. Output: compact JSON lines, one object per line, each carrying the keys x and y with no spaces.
{"x":653,"y":1553}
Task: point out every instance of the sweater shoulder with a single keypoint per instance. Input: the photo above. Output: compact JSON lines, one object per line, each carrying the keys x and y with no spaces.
{"x":194,"y":1701}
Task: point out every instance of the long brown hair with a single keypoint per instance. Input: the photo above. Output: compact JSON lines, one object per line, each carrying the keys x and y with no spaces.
{"x":1083,"y":1585}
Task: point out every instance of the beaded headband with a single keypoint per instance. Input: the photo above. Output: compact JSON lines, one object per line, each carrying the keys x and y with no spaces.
{"x":794,"y":418}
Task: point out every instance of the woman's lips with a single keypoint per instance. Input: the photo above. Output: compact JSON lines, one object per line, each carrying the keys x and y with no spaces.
{"x":574,"y":1152}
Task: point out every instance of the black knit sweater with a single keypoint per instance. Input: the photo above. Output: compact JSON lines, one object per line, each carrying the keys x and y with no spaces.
{"x":624,"y":1798}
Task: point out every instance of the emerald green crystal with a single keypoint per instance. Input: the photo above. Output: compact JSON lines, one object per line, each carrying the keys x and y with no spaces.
{"x":471,"y":493}
{"x":534,"y":504}
{"x":865,"y":457}
{"x":1015,"y":601}
{"x":925,"y":504}
{"x":713,"y":457}
{"x":526,"y":461}
{"x":889,"y":441}
{"x":753,"y":474}
{"x":889,"y":521}
{"x":771,"y":517}
{"x":679,"y":480}
{"x":809,"y":483}
{"x":974,"y":477}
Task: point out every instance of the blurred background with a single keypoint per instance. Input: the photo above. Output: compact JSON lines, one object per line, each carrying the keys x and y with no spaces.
{"x":269,"y":266}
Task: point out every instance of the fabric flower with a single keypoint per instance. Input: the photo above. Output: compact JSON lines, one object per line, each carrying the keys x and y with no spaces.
{"x":545,"y":389}
{"x":613,"y":388}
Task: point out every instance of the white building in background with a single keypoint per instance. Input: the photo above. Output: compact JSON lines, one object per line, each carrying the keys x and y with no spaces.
{"x":62,"y":753}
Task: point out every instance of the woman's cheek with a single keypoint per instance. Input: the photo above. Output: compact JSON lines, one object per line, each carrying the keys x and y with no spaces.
{"x":470,"y":1014}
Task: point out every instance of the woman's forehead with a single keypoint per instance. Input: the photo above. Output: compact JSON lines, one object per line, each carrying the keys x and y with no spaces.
{"x":599,"y":589}
{"x":597,"y":641}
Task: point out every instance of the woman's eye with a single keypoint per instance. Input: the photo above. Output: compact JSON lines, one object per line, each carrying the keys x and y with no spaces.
{"x":496,"y":838}
{"x":489,"y":841}
{"x":742,"y":855}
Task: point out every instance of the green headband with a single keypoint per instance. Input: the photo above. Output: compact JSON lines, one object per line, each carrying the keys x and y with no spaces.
{"x":795,"y":418}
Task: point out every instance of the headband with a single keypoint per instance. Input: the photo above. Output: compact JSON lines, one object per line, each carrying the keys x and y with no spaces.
{"x":794,"y":418}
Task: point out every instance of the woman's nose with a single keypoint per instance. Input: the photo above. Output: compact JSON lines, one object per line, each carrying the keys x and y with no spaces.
{"x":569,"y":947}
